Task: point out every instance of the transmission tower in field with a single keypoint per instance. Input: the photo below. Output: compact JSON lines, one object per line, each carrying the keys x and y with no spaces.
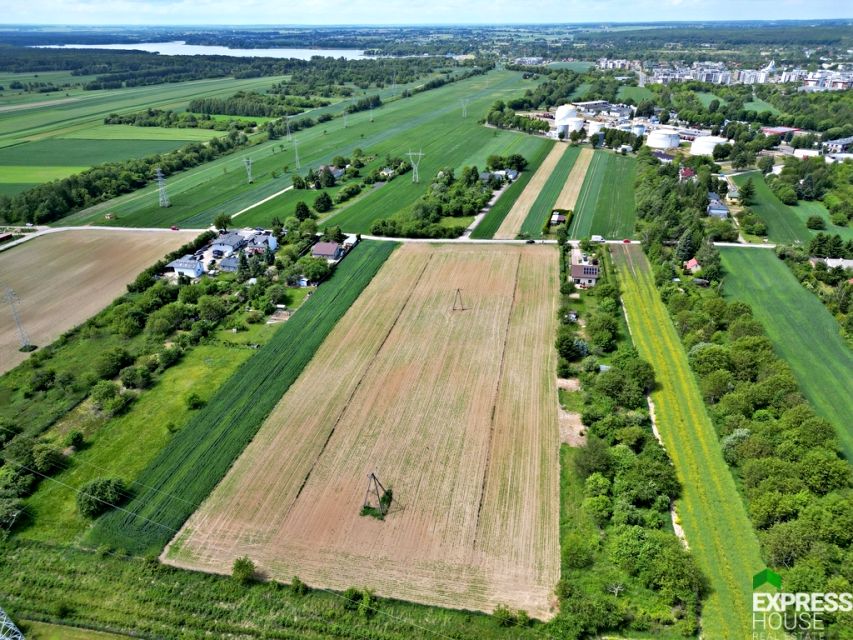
{"x":289,"y":134}
{"x":458,"y":302}
{"x":381,"y":495}
{"x":296,"y":152}
{"x":248,"y":164}
{"x":8,"y":630}
{"x":161,"y":188}
{"x":415,"y":160}
{"x":464,"y":102}
{"x":12,"y":298}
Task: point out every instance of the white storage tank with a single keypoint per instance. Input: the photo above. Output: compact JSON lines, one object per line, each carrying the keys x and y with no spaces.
{"x":564,"y":112}
{"x":663,"y":139}
{"x":704,"y":145}
{"x":639,"y":130}
{"x":575,"y":124}
{"x":593,"y":127}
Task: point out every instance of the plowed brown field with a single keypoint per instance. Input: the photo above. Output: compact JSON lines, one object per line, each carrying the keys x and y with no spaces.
{"x":511,"y":225}
{"x":456,"y":410}
{"x":65,"y":278}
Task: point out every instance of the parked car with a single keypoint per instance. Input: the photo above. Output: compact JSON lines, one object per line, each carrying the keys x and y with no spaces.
{"x":174,"y":227}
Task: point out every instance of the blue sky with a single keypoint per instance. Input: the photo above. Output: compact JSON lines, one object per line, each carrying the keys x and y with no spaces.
{"x":176,"y":12}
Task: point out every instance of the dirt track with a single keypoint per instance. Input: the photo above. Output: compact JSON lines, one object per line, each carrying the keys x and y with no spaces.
{"x":569,"y":195}
{"x":512,"y":223}
{"x":455,"y":410}
{"x":64,"y":278}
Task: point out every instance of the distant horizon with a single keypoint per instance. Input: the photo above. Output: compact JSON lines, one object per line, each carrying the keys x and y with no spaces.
{"x":440,"y":13}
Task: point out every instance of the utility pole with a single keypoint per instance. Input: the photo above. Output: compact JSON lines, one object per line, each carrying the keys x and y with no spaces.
{"x":12,"y":298}
{"x":161,"y":188}
{"x":415,"y":160}
{"x":8,"y":630}
{"x":464,"y":102}
{"x":289,"y":135}
{"x":247,"y":161}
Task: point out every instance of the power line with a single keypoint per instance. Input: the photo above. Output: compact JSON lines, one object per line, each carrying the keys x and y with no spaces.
{"x":161,"y":188}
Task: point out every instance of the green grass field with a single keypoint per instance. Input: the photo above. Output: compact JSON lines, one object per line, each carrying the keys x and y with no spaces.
{"x":493,"y":219}
{"x":760,"y":105}
{"x":808,"y":208}
{"x":46,"y":631}
{"x":183,"y":473}
{"x":129,"y":132}
{"x":541,"y":209}
{"x":706,"y":98}
{"x":16,"y":174}
{"x":581,"y":91}
{"x":714,"y":519}
{"x":125,"y":445}
{"x":782,"y":224}
{"x":430,"y":121}
{"x":803,"y":332}
{"x":605,"y":205}
{"x":635,"y":93}
{"x":578,"y":65}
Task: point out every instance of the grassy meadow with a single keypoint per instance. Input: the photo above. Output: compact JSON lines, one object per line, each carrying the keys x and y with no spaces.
{"x":782,"y":224}
{"x":803,"y":332}
{"x":429,"y":121}
{"x":713,"y":516}
{"x":605,"y":205}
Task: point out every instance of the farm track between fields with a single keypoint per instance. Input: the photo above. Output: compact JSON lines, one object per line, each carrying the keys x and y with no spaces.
{"x":802,"y":331}
{"x":713,"y":516}
{"x":475,"y":475}
{"x":511,"y":225}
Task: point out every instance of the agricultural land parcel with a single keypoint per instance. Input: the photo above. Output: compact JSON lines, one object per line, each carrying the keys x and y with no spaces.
{"x":430,"y":121}
{"x":714,"y":519}
{"x":511,"y":225}
{"x":803,"y":333}
{"x":498,"y":213}
{"x":57,"y":138}
{"x":782,"y":224}
{"x":66,"y":277}
{"x":605,"y":205}
{"x":182,"y":474}
{"x":540,"y":213}
{"x":467,"y":437}
{"x":569,"y":195}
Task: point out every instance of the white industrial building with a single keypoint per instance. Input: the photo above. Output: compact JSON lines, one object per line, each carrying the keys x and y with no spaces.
{"x":663,"y":139}
{"x":704,"y":145}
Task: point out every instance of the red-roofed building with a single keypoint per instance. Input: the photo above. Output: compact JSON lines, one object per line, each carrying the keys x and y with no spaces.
{"x":685,"y":174}
{"x":692,"y":265}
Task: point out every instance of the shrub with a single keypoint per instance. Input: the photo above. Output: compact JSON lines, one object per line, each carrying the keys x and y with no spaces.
{"x":74,"y":439}
{"x":815,"y":222}
{"x":100,"y":495}
{"x":323,"y":203}
{"x":194,"y":401}
{"x":103,"y":392}
{"x":111,"y":362}
{"x":243,"y":570}
{"x":298,"y":587}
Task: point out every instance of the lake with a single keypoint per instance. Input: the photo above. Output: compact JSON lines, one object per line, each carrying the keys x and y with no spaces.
{"x":181,"y":48}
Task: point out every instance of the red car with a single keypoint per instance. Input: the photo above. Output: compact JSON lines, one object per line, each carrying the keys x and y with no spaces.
{"x":626,"y":241}
{"x":174,"y":228}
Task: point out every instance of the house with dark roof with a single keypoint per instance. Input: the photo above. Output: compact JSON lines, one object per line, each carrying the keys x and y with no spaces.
{"x":229,"y":264}
{"x":662,"y":157}
{"x":716,"y":208}
{"x":228,"y":243}
{"x":585,"y":269}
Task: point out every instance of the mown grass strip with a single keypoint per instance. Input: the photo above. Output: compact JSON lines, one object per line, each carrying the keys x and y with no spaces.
{"x":715,"y":522}
{"x":802,"y":331}
{"x":605,"y":205}
{"x":492,"y":221}
{"x":197,"y":458}
{"x":542,"y":206}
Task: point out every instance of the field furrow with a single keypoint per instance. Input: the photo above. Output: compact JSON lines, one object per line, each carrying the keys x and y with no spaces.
{"x":569,"y":195}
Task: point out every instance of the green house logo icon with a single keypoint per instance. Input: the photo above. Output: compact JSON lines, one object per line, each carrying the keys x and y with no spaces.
{"x":767,"y":576}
